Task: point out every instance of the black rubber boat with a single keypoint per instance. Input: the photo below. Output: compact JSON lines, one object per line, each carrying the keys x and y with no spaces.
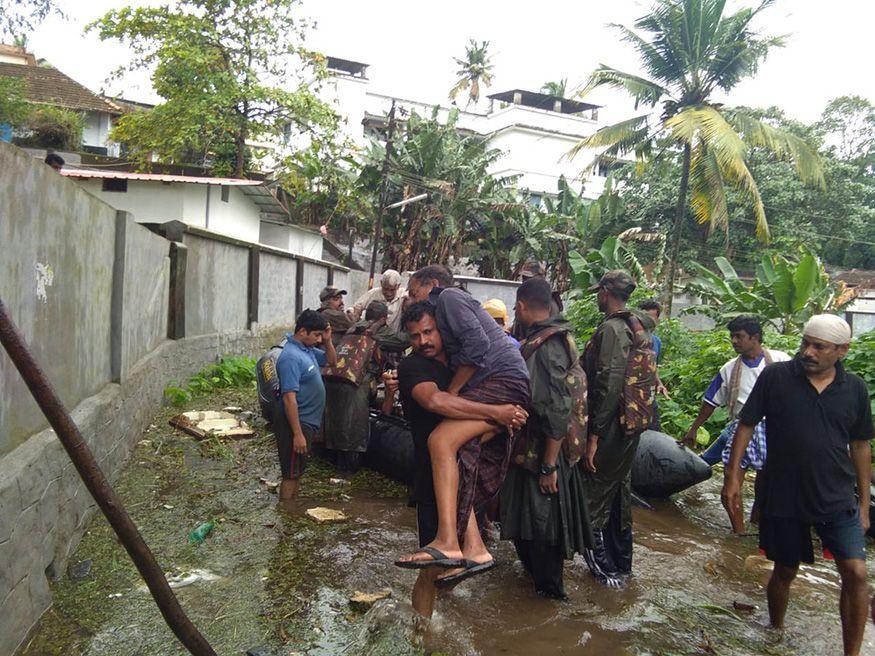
{"x":662,"y":467}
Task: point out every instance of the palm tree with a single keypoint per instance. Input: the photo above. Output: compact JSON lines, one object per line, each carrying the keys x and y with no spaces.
{"x":555,"y":88}
{"x":475,"y":69}
{"x":694,"y":51}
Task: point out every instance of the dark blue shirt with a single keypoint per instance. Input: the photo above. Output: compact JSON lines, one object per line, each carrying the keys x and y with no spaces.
{"x":471,"y":337}
{"x":298,"y":371}
{"x":657,"y":346}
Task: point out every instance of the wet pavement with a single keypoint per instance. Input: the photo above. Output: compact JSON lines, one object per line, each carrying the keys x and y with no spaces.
{"x":269,"y":577}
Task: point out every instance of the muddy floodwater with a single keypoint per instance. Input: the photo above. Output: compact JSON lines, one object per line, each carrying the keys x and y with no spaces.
{"x":271,"y":580}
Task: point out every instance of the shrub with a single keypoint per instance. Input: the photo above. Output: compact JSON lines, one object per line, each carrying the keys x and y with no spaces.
{"x":52,"y":127}
{"x":230,"y":372}
{"x":861,"y":361}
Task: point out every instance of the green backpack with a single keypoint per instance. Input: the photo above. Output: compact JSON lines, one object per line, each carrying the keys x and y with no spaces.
{"x":526,"y":449}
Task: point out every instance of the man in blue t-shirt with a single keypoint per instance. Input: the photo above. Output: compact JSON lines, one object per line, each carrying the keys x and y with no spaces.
{"x":299,"y":416}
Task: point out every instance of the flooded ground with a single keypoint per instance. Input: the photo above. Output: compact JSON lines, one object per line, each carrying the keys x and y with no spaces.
{"x":271,"y":580}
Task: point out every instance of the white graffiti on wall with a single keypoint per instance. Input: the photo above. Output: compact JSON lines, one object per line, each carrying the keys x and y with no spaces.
{"x":44,"y":278}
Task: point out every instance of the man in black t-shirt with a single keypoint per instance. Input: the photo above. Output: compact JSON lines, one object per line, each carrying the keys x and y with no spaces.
{"x":422,"y":380}
{"x":818,"y":427}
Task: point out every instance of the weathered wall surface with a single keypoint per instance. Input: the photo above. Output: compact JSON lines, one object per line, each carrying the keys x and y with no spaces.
{"x":97,"y":296}
{"x":45,"y":508}
{"x":57,"y":247}
{"x":145,"y":290}
{"x":315,"y":279}
{"x":276,"y":290}
{"x":215,"y":286}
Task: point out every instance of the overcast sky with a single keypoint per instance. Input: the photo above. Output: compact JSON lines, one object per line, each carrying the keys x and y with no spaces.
{"x":410,"y":46}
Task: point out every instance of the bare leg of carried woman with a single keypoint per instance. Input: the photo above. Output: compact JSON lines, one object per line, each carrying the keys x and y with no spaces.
{"x":443,"y":447}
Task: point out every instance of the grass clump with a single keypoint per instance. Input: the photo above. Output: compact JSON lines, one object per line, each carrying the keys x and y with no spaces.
{"x":230,"y":372}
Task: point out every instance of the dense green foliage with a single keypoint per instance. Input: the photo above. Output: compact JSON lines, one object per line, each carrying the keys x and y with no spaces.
{"x":798,"y":215}
{"x":324,"y":185}
{"x":861,"y":360}
{"x":453,"y":168}
{"x":786,"y":292}
{"x":691,"y":50}
{"x":224,"y":68}
{"x":47,"y":126}
{"x":691,"y":359}
{"x":230,"y":372}
{"x":14,"y":108}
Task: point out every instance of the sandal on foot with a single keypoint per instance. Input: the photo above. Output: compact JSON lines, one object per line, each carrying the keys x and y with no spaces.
{"x":439,"y":559}
{"x":472,"y":568}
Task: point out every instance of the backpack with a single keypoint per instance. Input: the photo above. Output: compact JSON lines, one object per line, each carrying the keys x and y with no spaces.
{"x":354,"y":354}
{"x":268,"y":381}
{"x":526,"y":452}
{"x":639,"y":383}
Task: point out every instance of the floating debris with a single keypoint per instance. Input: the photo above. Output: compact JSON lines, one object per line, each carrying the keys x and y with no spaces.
{"x":200,"y":534}
{"x":362,"y":601}
{"x":270,"y":485}
{"x":201,"y":423}
{"x":757,"y":562}
{"x":323,"y":515}
{"x":195,"y":575}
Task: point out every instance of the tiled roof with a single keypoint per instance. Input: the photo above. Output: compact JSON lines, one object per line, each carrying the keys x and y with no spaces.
{"x":50,"y":86}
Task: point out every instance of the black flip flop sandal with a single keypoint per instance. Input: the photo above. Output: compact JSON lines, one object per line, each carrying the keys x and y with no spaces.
{"x":472,"y":568}
{"x":439,"y":559}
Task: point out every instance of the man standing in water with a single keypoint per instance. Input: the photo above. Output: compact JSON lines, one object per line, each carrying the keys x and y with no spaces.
{"x":611,"y":447}
{"x":543,"y":509}
{"x":423,"y":378}
{"x":302,"y":401}
{"x":731,"y":387}
{"x":818,"y":427}
{"x":487,"y":368}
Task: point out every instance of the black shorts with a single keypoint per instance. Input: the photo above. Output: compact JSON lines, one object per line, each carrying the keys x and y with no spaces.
{"x":426,"y":522}
{"x":292,"y":464}
{"x":787,"y":541}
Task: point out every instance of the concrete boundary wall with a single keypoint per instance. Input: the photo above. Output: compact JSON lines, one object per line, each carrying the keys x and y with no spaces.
{"x":113,"y":310}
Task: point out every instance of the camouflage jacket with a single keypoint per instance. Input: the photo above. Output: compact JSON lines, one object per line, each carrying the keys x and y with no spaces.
{"x":387,"y":339}
{"x":548,"y":368}
{"x":604,"y":361}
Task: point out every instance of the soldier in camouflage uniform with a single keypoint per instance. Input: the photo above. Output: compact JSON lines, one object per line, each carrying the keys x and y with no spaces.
{"x":610,"y":450}
{"x":346,"y":428}
{"x":543,"y":509}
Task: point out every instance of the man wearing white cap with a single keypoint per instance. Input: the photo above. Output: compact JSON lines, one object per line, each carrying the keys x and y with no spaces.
{"x":390,"y":282}
{"x":818,"y":427}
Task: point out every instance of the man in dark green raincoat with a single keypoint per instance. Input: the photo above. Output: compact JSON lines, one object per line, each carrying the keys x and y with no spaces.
{"x":610,"y":451}
{"x":543,"y":509}
{"x":346,"y":427}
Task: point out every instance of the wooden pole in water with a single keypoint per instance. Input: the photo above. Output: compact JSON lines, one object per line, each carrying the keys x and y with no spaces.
{"x":99,"y":487}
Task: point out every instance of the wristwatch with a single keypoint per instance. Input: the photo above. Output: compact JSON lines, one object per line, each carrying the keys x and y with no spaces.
{"x":546,"y":470}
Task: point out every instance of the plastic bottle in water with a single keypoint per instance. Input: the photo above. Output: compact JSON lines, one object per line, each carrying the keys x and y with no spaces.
{"x":200,"y":534}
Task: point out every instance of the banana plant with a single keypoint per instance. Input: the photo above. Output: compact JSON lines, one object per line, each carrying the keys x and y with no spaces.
{"x":588,"y":269}
{"x":786,"y":292}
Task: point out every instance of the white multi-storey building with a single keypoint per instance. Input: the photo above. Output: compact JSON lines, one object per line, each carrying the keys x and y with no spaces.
{"x":534,"y":130}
